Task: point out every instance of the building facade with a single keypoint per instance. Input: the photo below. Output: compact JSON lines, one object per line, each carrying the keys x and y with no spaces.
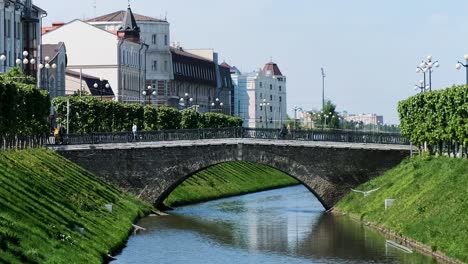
{"x":155,"y":34}
{"x":52,"y":65}
{"x":261,"y":97}
{"x":366,"y":119}
{"x":20,"y":30}
{"x":118,"y":57}
{"x":202,"y":79}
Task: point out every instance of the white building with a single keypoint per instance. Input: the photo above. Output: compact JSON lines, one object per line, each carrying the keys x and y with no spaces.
{"x":20,"y":30}
{"x":117,"y":57}
{"x":366,"y":119}
{"x":263,"y":93}
{"x":156,"y":34}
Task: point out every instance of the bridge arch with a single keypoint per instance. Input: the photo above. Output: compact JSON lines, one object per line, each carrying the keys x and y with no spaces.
{"x":178,"y":183}
{"x":150,"y":171}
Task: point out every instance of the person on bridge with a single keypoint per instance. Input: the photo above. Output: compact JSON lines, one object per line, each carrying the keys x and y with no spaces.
{"x":134,"y":131}
{"x":283,"y":132}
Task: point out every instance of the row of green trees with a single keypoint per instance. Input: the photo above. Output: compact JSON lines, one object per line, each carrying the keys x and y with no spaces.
{"x":88,"y":114}
{"x":436,"y":118}
{"x":23,"y":107}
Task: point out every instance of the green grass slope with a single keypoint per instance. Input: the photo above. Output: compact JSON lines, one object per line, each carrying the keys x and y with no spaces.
{"x":431,"y":203}
{"x":45,"y":198}
{"x":228,"y":179}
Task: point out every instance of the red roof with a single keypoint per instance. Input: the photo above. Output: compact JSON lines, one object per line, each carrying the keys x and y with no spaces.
{"x":271,"y":68}
{"x":119,"y":17}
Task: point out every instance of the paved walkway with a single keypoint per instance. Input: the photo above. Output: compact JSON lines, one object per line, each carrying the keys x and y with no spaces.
{"x":234,"y":141}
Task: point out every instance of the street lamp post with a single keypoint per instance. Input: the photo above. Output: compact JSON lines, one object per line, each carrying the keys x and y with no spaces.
{"x":295,"y":109}
{"x":460,"y":64}
{"x":218,"y":105}
{"x":3,"y":62}
{"x":428,"y":66}
{"x":420,"y":86}
{"x":100,"y":86}
{"x":264,"y":105}
{"x":186,"y":101}
{"x":148,"y":92}
{"x":25,"y":61}
{"x":323,"y":88}
{"x":46,"y":64}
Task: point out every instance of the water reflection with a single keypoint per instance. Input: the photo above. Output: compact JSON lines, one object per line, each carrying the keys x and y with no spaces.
{"x":270,"y":227}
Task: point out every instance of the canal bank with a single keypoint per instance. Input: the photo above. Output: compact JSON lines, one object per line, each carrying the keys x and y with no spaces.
{"x":53,"y":211}
{"x":430,"y":210}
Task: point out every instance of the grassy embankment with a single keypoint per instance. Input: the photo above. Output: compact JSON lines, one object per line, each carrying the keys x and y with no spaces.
{"x":431,"y":203}
{"x":44,"y":199}
{"x":228,"y":179}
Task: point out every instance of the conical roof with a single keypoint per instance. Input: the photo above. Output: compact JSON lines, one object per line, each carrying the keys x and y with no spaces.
{"x":129,"y":26}
{"x":272,"y":68}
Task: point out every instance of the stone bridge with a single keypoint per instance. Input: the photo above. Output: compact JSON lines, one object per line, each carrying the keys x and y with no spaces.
{"x":153,"y":170}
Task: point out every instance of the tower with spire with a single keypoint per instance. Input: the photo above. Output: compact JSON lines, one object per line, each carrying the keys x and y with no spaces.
{"x":129,"y":29}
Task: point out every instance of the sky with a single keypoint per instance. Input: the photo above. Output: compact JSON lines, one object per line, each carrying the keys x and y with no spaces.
{"x":369,"y":48}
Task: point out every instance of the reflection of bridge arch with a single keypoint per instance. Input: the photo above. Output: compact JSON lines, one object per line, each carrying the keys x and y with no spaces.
{"x":153,"y":170}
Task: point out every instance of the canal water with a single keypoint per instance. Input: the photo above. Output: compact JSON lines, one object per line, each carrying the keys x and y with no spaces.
{"x":287,"y":225}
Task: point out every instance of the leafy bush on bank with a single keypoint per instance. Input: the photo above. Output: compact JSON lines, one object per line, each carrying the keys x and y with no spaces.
{"x":436,"y":117}
{"x":89,"y":114}
{"x":23,"y":107}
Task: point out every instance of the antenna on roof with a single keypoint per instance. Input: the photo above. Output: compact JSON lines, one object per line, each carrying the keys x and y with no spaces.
{"x":95,"y":7}
{"x":165,"y":17}
{"x":128,"y":3}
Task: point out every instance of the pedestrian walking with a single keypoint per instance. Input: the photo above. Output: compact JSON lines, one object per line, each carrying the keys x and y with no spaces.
{"x":134,"y":131}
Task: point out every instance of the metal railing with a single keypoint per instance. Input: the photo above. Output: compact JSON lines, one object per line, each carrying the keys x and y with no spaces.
{"x":24,"y":142}
{"x":220,"y":133}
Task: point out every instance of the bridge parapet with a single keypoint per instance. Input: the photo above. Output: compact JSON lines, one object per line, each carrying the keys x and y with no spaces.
{"x":221,"y":133}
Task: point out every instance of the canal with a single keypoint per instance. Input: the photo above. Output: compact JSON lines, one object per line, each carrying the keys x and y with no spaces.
{"x":287,"y":225}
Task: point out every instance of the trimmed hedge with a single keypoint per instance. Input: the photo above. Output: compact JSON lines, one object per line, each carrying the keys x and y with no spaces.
{"x":438,"y":117}
{"x":23,"y":107}
{"x":89,"y":114}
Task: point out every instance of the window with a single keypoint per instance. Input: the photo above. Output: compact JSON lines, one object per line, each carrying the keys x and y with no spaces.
{"x":280,"y":99}
{"x":271,"y":86}
{"x":166,"y":40}
{"x":155,"y":66}
{"x":271,"y":97}
{"x":271,"y":108}
{"x":279,"y":88}
{"x":261,"y":84}
{"x":153,"y":39}
{"x":261,"y":119}
{"x":261,"y":96}
{"x":261,"y":108}
{"x":8,"y":28}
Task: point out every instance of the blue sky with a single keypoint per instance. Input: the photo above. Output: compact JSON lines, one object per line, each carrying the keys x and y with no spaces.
{"x":369,"y":48}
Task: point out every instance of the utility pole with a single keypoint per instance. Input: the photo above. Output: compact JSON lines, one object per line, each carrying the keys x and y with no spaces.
{"x":323,"y":88}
